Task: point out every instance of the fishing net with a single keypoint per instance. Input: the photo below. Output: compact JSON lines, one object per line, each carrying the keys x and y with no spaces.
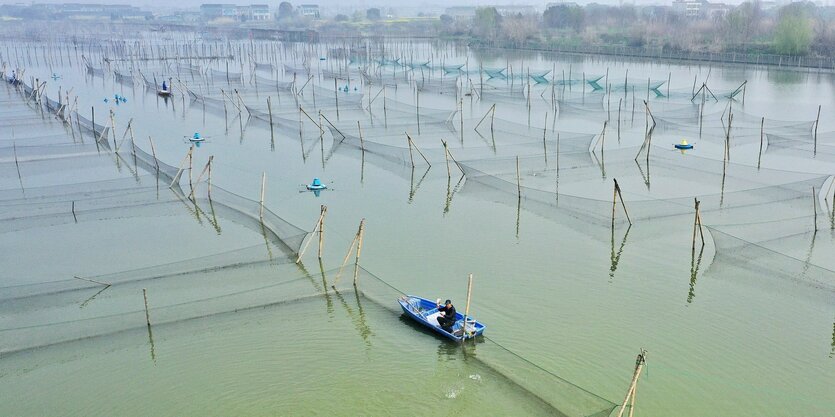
{"x":126,"y":79}
{"x":581,"y":187}
{"x":754,"y":263}
{"x":268,"y":83}
{"x":228,"y":76}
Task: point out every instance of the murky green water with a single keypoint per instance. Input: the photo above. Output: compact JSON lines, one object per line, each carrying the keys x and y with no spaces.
{"x":570,"y":295}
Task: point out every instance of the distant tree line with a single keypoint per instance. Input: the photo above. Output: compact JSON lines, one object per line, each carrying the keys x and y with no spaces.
{"x":799,"y":28}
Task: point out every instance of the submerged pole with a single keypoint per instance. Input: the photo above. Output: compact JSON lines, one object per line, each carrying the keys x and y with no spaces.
{"x":147,"y":316}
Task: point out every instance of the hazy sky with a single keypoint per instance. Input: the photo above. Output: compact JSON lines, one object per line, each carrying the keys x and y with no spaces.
{"x":359,"y":4}
{"x":342,"y":3}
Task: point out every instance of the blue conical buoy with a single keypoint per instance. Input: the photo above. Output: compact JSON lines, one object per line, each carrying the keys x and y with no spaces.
{"x":317,"y":182}
{"x":196,"y":136}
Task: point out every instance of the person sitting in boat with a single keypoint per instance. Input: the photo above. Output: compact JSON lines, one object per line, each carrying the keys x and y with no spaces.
{"x":164,"y":86}
{"x":447,"y":317}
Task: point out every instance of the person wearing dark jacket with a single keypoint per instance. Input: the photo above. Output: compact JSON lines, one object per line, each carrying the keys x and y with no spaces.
{"x":447,"y":317}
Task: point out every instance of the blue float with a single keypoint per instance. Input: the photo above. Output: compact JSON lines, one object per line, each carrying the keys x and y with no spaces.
{"x":683,"y":145}
{"x":316,"y":185}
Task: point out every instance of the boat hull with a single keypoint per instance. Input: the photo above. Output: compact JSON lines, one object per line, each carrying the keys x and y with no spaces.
{"x":425,"y":312}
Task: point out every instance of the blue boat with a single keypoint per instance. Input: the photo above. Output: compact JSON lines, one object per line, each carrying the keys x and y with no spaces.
{"x":426,"y":313}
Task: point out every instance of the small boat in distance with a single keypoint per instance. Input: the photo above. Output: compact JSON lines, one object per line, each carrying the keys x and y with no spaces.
{"x":425,"y":312}
{"x":165,"y":91}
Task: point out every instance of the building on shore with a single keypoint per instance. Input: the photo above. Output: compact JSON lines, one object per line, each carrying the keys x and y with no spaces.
{"x":231,"y":12}
{"x":309,"y":10}
{"x":700,"y":9}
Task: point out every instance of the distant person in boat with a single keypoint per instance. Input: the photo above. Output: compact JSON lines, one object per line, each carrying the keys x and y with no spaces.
{"x":164,"y":86}
{"x":447,"y":317}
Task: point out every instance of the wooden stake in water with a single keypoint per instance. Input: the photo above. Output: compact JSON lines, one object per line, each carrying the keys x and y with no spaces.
{"x":336,"y":97}
{"x":360,"y":235}
{"x":261,"y":199}
{"x":323,"y":210}
{"x":815,"y":208}
{"x":467,"y":308}
{"x":617,"y":194}
{"x":697,"y":225}
{"x":319,"y":223}
{"x":762,"y":133}
{"x":817,"y":121}
{"x":93,"y":114}
{"x":484,"y":117}
{"x":446,"y":158}
{"x":270,"y":111}
{"x":362,"y":143}
{"x":518,"y":180}
{"x":639,"y":365}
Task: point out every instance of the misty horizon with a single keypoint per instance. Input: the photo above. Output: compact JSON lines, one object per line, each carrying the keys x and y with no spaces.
{"x":362,"y":4}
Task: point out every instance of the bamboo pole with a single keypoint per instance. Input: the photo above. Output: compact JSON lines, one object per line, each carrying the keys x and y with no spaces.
{"x":261,"y":199}
{"x":336,"y":97}
{"x":362,"y":143}
{"x":412,"y":142}
{"x":209,"y":180}
{"x":616,"y":193}
{"x":345,"y":260}
{"x":93,"y":121}
{"x":817,"y":121}
{"x":113,"y":130}
{"x":446,"y":158}
{"x":639,"y":365}
{"x":324,"y":210}
{"x":199,"y":177}
{"x":762,"y":133}
{"x":270,"y":111}
{"x":360,"y":235}
{"x":484,"y":117}
{"x":518,"y":180}
{"x":815,"y":207}
{"x":411,"y":156}
{"x":176,"y":179}
{"x":319,"y":222}
{"x":697,"y":225}
{"x":632,"y":403}
{"x":467,"y":308}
